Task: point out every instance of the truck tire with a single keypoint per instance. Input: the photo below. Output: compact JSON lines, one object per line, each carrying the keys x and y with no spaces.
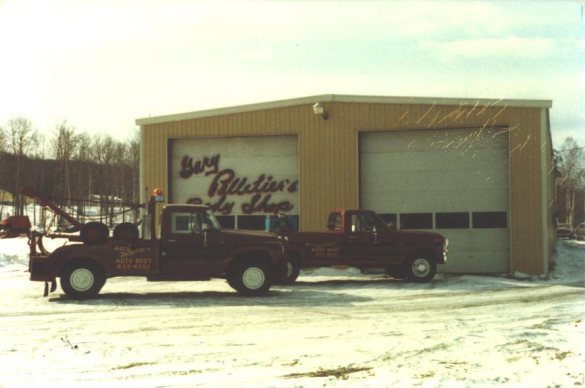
{"x":250,"y":278}
{"x":82,"y":279}
{"x":291,"y":271}
{"x":94,"y":233}
{"x":125,"y":231}
{"x":420,"y":268}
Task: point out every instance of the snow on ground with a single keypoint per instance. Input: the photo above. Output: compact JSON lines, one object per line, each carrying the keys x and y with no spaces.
{"x":333,"y":328}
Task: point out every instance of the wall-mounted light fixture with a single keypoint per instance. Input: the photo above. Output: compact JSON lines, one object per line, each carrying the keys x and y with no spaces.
{"x":319,"y":109}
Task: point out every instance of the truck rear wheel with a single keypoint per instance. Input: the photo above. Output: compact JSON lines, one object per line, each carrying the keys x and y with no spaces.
{"x":250,"y":278}
{"x":421,"y":268}
{"x":82,"y":279}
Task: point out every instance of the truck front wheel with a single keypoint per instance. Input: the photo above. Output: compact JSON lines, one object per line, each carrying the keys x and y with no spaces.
{"x":82,"y":279}
{"x":420,"y":268}
{"x":291,"y":271}
{"x":250,"y":278}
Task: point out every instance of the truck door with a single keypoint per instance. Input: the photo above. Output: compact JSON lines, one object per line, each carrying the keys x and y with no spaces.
{"x":192,"y":249}
{"x":361,"y":248}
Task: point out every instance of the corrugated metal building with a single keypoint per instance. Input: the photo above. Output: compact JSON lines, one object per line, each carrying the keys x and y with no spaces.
{"x":479,"y":171}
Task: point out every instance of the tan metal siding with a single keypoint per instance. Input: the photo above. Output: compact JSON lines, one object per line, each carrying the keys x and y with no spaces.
{"x":525,"y":198}
{"x":329,"y":155}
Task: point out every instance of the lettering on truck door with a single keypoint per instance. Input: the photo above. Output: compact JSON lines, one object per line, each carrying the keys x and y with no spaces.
{"x":132,"y":260}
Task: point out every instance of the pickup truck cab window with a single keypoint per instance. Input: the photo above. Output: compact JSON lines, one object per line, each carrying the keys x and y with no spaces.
{"x":335,"y":222}
{"x":186,"y":223}
{"x":367,"y":222}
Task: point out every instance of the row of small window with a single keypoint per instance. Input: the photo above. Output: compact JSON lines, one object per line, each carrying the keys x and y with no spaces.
{"x":254,"y":222}
{"x":458,"y":220}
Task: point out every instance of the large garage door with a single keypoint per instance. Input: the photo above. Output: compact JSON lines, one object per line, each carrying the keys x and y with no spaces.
{"x":243,"y":179}
{"x":454,"y":182}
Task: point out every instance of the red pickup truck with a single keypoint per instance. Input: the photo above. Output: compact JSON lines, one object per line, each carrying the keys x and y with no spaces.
{"x":361,"y":239}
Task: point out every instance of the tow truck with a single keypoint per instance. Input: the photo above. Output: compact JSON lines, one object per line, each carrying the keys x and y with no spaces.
{"x":191,"y":246}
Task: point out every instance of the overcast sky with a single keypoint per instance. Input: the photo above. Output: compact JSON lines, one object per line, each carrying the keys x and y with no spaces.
{"x":102,"y":64}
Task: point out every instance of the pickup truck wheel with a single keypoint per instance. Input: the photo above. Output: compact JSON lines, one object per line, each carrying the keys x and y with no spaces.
{"x":421,"y":269}
{"x":291,"y":271}
{"x":82,"y":280}
{"x":250,"y":279}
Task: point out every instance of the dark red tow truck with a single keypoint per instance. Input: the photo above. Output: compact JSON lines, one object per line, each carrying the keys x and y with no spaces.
{"x":361,"y":239}
{"x":192,"y":246}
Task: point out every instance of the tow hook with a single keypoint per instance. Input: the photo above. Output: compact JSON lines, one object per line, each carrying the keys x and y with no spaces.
{"x":53,"y":287}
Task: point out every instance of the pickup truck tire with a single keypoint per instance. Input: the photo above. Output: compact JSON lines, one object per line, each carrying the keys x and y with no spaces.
{"x":250,"y":278}
{"x":292,"y":269}
{"x":420,"y":268}
{"x":82,"y":279}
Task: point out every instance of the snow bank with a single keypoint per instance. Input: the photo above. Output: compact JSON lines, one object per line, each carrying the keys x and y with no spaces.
{"x":14,"y":251}
{"x":569,"y":261}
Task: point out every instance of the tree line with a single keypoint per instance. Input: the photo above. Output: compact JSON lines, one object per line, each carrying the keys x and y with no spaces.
{"x":71,"y":168}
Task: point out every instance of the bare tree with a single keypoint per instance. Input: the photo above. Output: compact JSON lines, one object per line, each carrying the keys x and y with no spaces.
{"x":21,"y":140}
{"x":133,"y":163}
{"x":82,"y":176}
{"x":104,"y":154}
{"x":571,"y":183}
{"x":3,"y":139}
{"x":63,"y":148}
{"x":3,"y":183}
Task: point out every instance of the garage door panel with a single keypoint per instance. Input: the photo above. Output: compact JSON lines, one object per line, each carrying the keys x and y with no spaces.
{"x":399,"y":180}
{"x":258,"y":146}
{"x":280,"y":166}
{"x":449,"y":140}
{"x":448,"y":161}
{"x":438,"y":201}
{"x":477,"y":251}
